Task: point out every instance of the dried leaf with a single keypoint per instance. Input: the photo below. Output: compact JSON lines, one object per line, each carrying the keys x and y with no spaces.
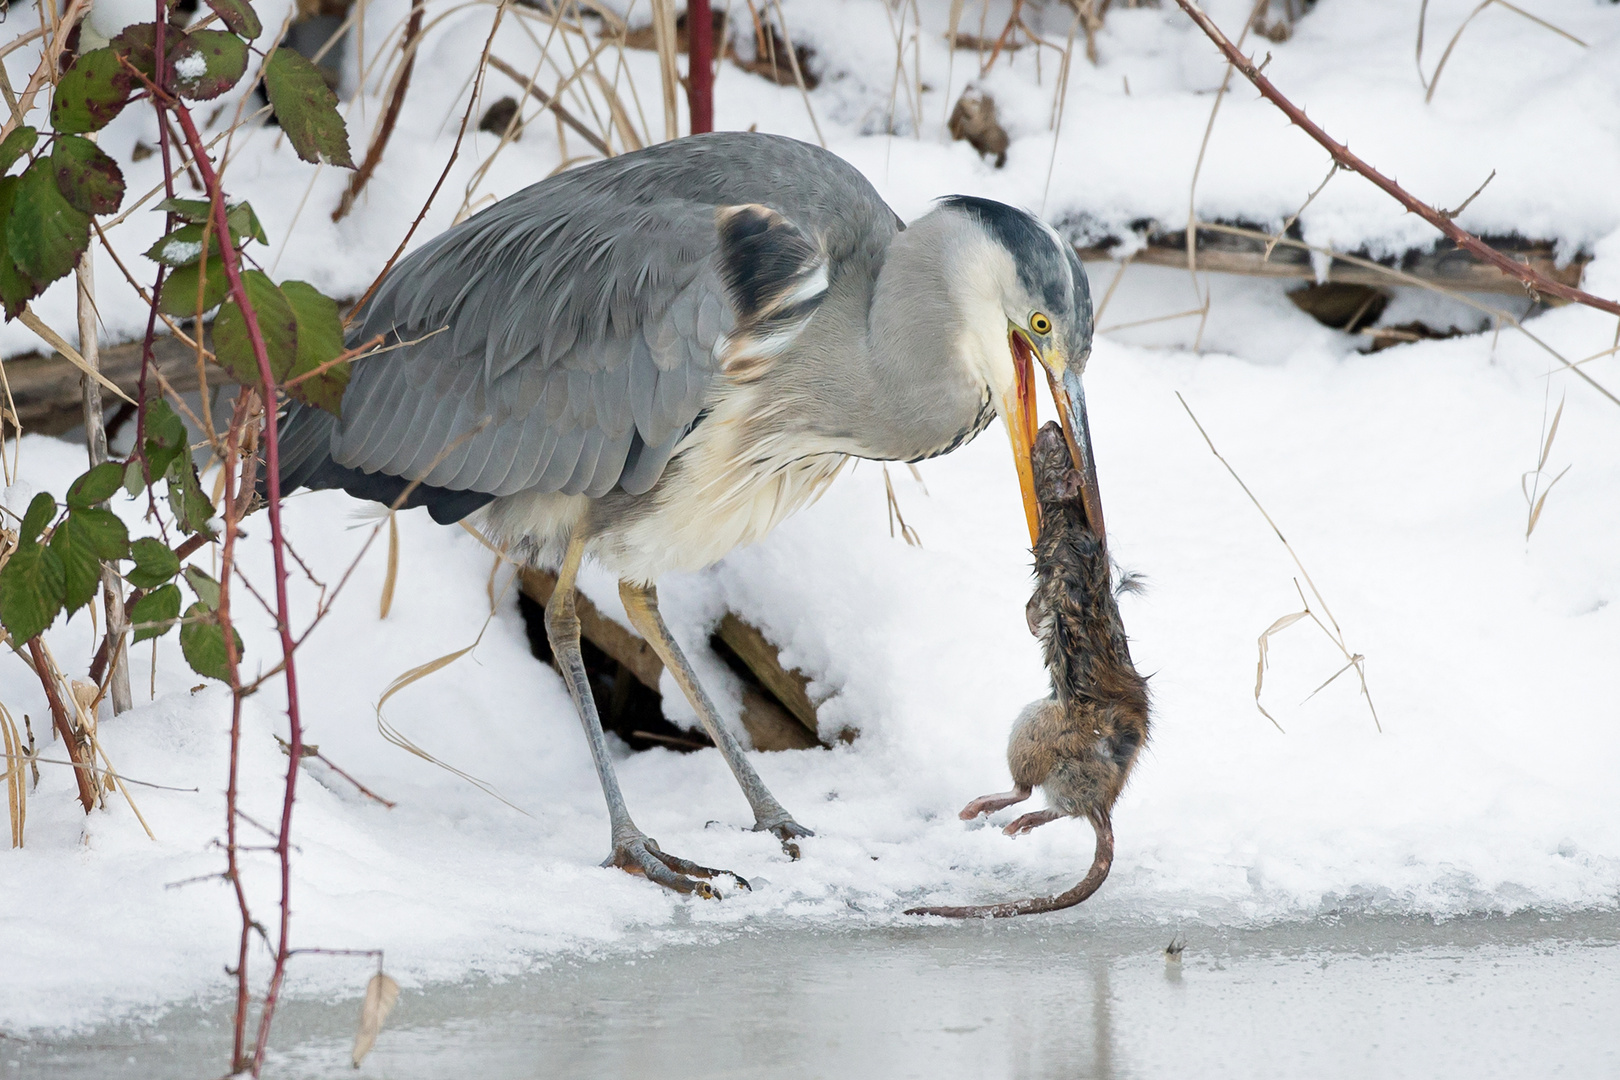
{"x":382,"y":993}
{"x":1535,"y":514}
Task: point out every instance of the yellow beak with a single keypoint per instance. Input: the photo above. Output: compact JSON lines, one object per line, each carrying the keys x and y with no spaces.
{"x":1019,"y":414}
{"x":1068,"y":394}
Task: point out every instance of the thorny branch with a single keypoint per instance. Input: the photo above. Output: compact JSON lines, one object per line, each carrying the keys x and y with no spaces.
{"x":1535,"y":283}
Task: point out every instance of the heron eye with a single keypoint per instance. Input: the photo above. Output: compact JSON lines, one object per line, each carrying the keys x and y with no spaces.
{"x":1040,"y":324}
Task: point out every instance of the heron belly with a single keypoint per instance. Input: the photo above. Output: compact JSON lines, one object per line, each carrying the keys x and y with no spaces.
{"x":696,"y":516}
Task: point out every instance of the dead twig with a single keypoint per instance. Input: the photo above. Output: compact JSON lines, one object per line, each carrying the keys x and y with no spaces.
{"x":385,"y":129}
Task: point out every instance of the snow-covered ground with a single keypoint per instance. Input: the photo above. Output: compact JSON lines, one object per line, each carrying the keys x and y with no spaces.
{"x":1395,"y":476}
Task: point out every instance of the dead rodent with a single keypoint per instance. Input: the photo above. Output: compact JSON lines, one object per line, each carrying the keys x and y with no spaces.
{"x":974,"y":119}
{"x":1079,"y":744}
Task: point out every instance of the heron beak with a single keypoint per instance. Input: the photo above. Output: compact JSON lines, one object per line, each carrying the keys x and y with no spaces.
{"x":1070,"y":397}
{"x":1018,"y":412}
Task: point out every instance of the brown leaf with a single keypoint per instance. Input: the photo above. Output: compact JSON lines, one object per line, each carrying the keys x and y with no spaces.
{"x":382,"y":993}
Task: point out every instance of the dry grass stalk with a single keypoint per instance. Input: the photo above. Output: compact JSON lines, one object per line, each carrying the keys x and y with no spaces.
{"x":387,"y":600}
{"x":1434,"y":80}
{"x":1530,"y":486}
{"x":798,"y":73}
{"x":1535,"y":283}
{"x":1335,"y":635}
{"x":906,"y":531}
{"x":663,"y":18}
{"x":16,"y":780}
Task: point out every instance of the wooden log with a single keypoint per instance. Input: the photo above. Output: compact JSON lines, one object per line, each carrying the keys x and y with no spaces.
{"x":769,"y":725}
{"x":1446,"y":265}
{"x":46,"y":388}
{"x":790,"y":687}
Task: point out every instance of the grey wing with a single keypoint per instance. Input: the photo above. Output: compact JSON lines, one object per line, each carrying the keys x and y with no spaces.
{"x":569,"y":336}
{"x":557,"y":352}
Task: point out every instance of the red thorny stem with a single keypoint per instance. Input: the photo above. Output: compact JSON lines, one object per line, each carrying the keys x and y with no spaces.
{"x":700,"y":65}
{"x":272,"y":478}
{"x":1535,"y":283}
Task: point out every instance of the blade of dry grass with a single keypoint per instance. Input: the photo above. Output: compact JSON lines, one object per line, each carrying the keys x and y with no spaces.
{"x":16,"y":778}
{"x":1434,"y":80}
{"x":1336,"y":635}
{"x":387,"y":600}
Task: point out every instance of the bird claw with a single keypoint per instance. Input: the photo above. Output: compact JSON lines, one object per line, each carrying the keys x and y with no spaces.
{"x":786,"y":830}
{"x":642,"y":855}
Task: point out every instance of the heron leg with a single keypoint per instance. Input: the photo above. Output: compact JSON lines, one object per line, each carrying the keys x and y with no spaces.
{"x":641,"y":604}
{"x":633,"y":850}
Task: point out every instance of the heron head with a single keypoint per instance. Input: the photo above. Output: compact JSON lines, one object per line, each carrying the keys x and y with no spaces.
{"x":1044,"y":308}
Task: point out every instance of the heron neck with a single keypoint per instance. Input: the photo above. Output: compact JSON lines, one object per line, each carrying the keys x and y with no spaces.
{"x":904,"y":387}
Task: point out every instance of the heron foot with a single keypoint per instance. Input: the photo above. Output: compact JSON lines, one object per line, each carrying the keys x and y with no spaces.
{"x":639,"y":854}
{"x":785,"y":829}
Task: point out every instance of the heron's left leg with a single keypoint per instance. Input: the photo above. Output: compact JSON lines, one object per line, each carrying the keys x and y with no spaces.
{"x":641,"y":604}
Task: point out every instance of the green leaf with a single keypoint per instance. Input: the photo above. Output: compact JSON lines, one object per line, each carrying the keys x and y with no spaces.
{"x":35,"y":518}
{"x":243,"y":222}
{"x":195,"y":211}
{"x":16,"y":288}
{"x":134,"y":477}
{"x":306,"y":109}
{"x":87,"y":178}
{"x":137,"y":43}
{"x":183,"y":246}
{"x":154,"y":563}
{"x":206,"y":588}
{"x":203,"y":643}
{"x":96,"y":486}
{"x":239,"y":216}
{"x":239,"y":16}
{"x":191,"y":507}
{"x":320,"y":338}
{"x":18,"y":143}
{"x":102,"y":530}
{"x":33,"y":585}
{"x":206,"y":63}
{"x":278,"y":326}
{"x":166,"y":438}
{"x":179,"y":295}
{"x":75,"y":545}
{"x":158,"y":606}
{"x":46,"y":234}
{"x":90,"y":93}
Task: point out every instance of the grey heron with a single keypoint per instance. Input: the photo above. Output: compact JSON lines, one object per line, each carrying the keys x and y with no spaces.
{"x":655,"y":358}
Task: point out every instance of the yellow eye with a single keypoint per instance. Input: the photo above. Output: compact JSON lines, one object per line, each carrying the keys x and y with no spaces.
{"x":1040,"y":324}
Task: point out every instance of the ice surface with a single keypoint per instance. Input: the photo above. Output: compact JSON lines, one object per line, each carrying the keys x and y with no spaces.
{"x":1395,"y":476}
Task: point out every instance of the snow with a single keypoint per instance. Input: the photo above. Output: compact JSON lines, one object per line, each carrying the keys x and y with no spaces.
{"x":1394,"y":476}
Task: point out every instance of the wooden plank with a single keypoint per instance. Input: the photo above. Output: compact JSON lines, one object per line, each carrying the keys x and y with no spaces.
{"x":46,"y":388}
{"x":790,"y":687}
{"x":1446,"y":265}
{"x":769,"y":725}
